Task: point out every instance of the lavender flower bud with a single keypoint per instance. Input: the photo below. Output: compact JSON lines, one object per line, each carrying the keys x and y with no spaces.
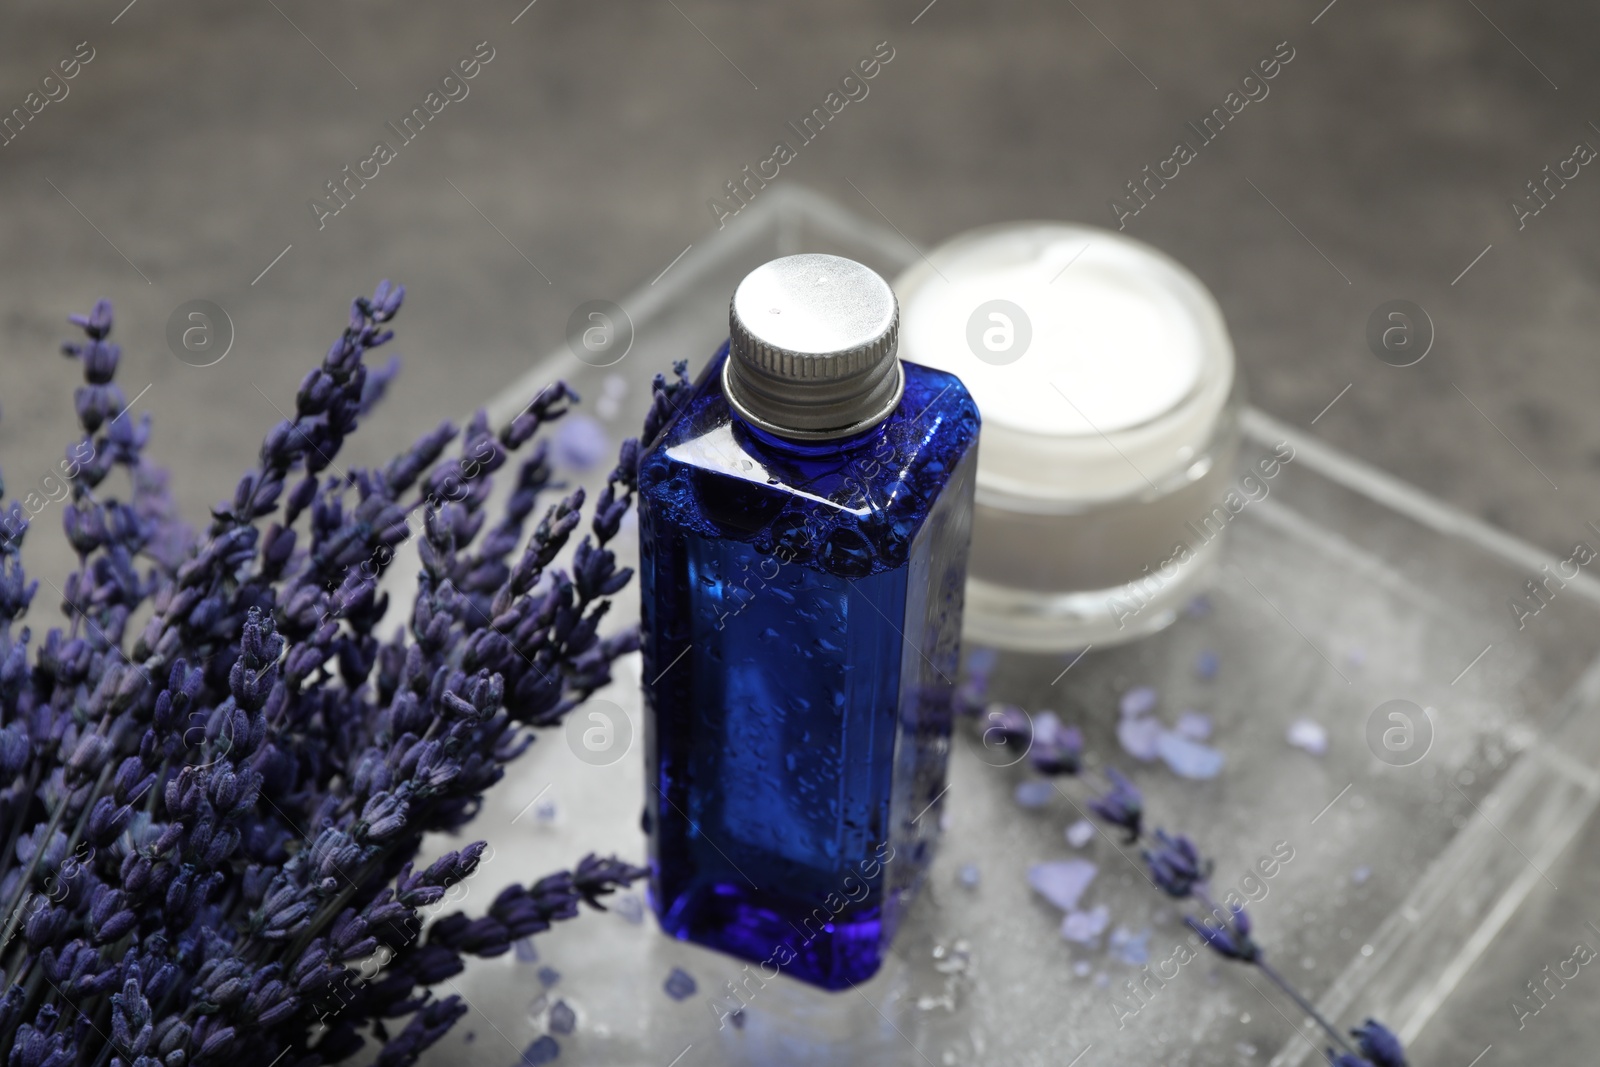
{"x":43,"y":925}
{"x":107,"y":820}
{"x":1175,"y":865}
{"x":1122,"y":805}
{"x":1230,"y":939}
{"x":1379,"y":1045}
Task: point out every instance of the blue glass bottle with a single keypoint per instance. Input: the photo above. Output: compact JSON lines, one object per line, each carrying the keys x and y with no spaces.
{"x":804,"y":522}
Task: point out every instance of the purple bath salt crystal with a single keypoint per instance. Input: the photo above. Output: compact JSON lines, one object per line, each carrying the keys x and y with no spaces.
{"x":1194,"y":725}
{"x":563,"y":1020}
{"x":1034,"y":793}
{"x":1085,"y":927}
{"x":1062,"y":882}
{"x":981,"y":661}
{"x":1206,"y":664}
{"x":581,"y":441}
{"x":1140,"y":738}
{"x":680,"y":985}
{"x":549,"y":976}
{"x":1130,"y":947}
{"x":1360,"y":875}
{"x":544,"y":1050}
{"x":630,"y":907}
{"x":1199,"y":607}
{"x":1189,"y":759}
{"x":1080,"y":833}
{"x":1138,"y":701}
{"x":524,"y":950}
{"x":1082,"y":968}
{"x":968,"y":875}
{"x":1308,"y":735}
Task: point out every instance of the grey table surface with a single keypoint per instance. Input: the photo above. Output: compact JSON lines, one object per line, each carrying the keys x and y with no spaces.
{"x":1382,"y":165}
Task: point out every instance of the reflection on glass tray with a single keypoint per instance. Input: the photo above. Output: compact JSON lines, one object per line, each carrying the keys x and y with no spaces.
{"x":1340,"y":590}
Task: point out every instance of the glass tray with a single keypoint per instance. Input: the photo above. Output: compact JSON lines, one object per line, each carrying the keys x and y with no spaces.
{"x":1341,"y":590}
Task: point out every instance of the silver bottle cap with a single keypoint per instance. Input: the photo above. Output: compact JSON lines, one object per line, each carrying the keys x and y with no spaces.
{"x":812,"y":350}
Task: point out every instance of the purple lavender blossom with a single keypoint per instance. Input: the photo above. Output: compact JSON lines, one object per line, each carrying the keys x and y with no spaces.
{"x":207,"y":822}
{"x":1230,"y":938}
{"x":1175,"y":864}
{"x":1121,"y":805}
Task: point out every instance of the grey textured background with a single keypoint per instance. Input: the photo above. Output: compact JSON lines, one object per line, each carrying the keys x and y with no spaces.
{"x":1391,"y":146}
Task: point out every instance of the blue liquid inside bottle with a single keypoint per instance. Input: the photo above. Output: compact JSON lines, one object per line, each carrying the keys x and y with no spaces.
{"x":801,"y":623}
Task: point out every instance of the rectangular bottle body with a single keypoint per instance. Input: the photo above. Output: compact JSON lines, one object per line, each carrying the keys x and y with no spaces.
{"x":801,"y":621}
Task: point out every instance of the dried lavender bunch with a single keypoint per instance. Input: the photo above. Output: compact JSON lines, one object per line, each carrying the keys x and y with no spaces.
{"x":1173,"y":863}
{"x":208,"y":832}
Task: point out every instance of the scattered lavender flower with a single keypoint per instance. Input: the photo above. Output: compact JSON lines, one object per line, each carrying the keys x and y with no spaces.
{"x":1177,"y":867}
{"x":543,"y":1050}
{"x":1175,"y":864}
{"x":1085,"y":927}
{"x":1062,"y":882}
{"x":1378,"y":1045}
{"x":1009,"y":727}
{"x":1137,"y":702}
{"x":680,"y":984}
{"x":969,"y":875}
{"x":1080,"y":833}
{"x":1033,"y":793}
{"x":1057,"y":749}
{"x":1141,"y":737}
{"x":209,"y":819}
{"x":1230,"y":938}
{"x":563,"y":1020}
{"x":1193,"y":726}
{"x":1308,"y":735}
{"x":1189,"y":759}
{"x":1206,"y":664}
{"x":548,"y":976}
{"x":1122,"y":805}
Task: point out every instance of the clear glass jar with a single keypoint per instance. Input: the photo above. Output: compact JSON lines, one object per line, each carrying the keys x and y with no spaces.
{"x":1110,"y":401}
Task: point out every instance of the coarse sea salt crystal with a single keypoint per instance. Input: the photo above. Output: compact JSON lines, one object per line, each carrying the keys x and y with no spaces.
{"x":1140,"y":738}
{"x":1085,"y":927}
{"x":1194,"y":725}
{"x":1132,"y":948}
{"x":1308,"y":735}
{"x":581,"y":441}
{"x":1189,"y":759}
{"x":680,"y":985}
{"x":1140,"y":700}
{"x":1062,"y":882}
{"x":1033,"y":793}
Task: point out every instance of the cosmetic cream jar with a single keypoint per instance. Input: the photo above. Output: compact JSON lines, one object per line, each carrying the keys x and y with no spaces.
{"x":1110,"y":402}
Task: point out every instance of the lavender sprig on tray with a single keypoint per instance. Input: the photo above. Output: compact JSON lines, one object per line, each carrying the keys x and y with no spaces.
{"x":209,"y":829}
{"x":1174,"y":865}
